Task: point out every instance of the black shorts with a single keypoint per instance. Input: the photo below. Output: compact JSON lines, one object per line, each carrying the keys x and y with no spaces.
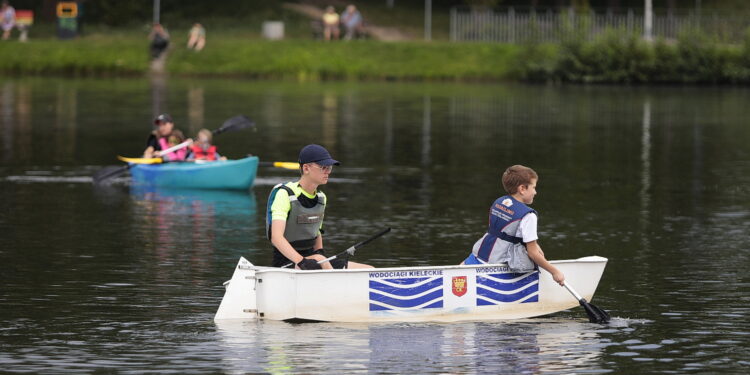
{"x":279,"y":260}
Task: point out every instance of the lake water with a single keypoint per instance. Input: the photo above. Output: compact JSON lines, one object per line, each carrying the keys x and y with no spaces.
{"x":127,"y":279}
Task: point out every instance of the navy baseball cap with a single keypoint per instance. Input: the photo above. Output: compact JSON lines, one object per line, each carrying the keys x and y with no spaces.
{"x":164,"y":117}
{"x":316,"y":154}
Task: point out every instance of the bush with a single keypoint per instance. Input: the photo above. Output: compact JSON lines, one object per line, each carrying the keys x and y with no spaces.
{"x":619,"y":57}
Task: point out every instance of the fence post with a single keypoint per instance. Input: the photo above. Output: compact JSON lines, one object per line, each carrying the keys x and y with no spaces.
{"x":428,"y":20}
{"x":630,"y":21}
{"x":648,"y":21}
{"x":512,"y":18}
{"x":453,"y":24}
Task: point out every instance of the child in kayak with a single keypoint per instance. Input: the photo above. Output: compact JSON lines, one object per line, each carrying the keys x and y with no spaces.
{"x":162,"y":138}
{"x":202,"y":149}
{"x":512,"y":237}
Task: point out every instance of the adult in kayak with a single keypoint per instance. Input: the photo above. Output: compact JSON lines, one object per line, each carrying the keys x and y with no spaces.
{"x":295,"y":211}
{"x":163,"y":137}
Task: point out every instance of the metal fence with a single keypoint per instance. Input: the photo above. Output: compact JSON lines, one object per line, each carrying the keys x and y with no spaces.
{"x":512,"y":26}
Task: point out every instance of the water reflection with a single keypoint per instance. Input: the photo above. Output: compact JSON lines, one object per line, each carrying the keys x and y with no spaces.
{"x":530,"y":346}
{"x":15,"y":121}
{"x":158,"y":84}
{"x":653,"y":178}
{"x":66,"y":113}
{"x":194,"y":223}
{"x":195,"y":109}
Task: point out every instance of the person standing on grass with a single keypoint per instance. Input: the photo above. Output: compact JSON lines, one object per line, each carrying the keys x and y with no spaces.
{"x":8,"y":21}
{"x":159,"y":38}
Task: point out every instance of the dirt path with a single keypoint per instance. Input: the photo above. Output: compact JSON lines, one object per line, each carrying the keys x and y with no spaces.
{"x":388,"y":34}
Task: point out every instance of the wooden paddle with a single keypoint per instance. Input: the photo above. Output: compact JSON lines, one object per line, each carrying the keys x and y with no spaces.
{"x":350,"y":250}
{"x":596,"y":315}
{"x":235,"y":123}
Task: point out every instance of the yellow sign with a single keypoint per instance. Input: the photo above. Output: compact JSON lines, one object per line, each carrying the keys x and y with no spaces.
{"x":67,"y":9}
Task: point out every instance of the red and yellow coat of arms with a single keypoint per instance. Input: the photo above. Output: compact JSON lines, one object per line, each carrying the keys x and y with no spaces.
{"x":459,"y":285}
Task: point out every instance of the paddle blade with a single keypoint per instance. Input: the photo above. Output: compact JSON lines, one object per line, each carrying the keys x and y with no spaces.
{"x":596,"y":315}
{"x":109,"y":172}
{"x":140,"y":160}
{"x":280,"y":164}
{"x":286,"y":165}
{"x":235,"y":123}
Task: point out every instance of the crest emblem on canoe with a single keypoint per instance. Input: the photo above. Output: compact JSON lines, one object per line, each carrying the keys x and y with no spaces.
{"x":459,"y":285}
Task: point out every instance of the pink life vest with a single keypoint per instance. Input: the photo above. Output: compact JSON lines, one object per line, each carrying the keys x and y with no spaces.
{"x":174,"y":155}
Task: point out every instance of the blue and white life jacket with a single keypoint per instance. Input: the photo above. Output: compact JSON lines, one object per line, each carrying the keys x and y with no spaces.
{"x":500,"y":244}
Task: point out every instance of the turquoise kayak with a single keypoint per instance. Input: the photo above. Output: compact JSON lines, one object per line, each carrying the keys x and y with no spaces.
{"x":227,"y":174}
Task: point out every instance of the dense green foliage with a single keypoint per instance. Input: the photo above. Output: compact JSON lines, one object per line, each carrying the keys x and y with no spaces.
{"x":618,"y":57}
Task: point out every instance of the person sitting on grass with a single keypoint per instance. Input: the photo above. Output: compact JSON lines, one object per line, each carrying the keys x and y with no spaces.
{"x":164,"y":137}
{"x":202,"y":149}
{"x":352,"y":20}
{"x":330,"y":24}
{"x":197,"y":37}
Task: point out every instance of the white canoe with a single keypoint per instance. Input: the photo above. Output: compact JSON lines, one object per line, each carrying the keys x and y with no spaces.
{"x":447,"y":293}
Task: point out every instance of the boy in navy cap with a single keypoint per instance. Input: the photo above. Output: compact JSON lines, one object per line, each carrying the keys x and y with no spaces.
{"x":294,"y":216}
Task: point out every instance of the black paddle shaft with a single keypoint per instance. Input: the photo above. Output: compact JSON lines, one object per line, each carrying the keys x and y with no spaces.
{"x":352,"y":249}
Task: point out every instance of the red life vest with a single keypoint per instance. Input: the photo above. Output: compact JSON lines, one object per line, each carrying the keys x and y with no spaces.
{"x":201,"y":154}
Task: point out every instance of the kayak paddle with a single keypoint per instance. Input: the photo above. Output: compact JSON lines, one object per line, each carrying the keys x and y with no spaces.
{"x":235,"y":123}
{"x":596,"y":315}
{"x":352,"y":249}
{"x":111,"y":172}
{"x":280,"y":164}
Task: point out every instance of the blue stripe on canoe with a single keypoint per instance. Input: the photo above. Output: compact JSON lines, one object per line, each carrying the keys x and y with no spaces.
{"x":414,"y":302}
{"x":506,"y":298}
{"x":484,"y":302}
{"x":406,"y":281}
{"x":508,"y":275}
{"x":405,"y":291}
{"x":435,"y":305}
{"x":481,"y":280}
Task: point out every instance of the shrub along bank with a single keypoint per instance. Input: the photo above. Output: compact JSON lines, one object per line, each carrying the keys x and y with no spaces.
{"x":612,"y":58}
{"x":622,"y":58}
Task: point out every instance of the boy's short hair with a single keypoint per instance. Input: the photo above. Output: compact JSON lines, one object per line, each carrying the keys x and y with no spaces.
{"x":517,"y":175}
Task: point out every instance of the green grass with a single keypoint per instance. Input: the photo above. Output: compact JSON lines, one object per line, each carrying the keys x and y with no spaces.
{"x":246,"y":55}
{"x":611,"y":58}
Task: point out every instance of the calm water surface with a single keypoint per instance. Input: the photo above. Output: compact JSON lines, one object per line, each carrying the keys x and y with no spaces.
{"x":127,"y":279}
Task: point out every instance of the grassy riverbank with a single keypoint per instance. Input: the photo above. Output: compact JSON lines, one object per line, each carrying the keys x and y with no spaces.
{"x":297,"y":59}
{"x":612,"y":58}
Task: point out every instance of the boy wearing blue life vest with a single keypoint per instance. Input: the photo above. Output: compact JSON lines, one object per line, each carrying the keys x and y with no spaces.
{"x":295,"y":211}
{"x":511,"y":236}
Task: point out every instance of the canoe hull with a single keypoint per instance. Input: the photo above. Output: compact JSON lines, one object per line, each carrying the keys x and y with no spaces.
{"x":229,"y":174}
{"x":450,"y":293}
